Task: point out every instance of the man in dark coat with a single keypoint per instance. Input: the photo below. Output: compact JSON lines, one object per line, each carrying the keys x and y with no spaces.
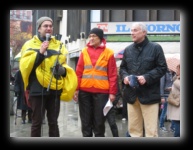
{"x":21,"y":99}
{"x":144,"y":61}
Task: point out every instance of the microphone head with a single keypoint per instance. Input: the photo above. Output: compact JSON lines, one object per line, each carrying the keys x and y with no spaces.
{"x":47,"y":36}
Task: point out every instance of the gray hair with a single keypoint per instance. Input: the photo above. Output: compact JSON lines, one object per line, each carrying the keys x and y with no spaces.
{"x":142,"y":26}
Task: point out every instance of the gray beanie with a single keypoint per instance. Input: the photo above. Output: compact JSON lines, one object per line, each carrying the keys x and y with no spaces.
{"x":98,"y":32}
{"x":41,"y":20}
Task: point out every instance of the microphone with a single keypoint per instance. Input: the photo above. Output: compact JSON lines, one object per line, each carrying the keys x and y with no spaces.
{"x":47,"y":36}
{"x":47,"y":39}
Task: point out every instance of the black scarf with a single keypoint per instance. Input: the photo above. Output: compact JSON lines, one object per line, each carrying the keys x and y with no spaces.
{"x":139,"y":46}
{"x":43,"y":38}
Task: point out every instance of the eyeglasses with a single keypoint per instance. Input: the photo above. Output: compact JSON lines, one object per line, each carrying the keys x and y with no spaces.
{"x":46,"y":26}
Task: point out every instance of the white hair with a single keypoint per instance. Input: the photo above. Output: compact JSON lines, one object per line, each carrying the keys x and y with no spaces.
{"x":142,"y":26}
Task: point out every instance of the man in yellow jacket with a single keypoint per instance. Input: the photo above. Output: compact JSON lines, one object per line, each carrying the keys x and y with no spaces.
{"x":45,"y":74}
{"x":97,"y":82}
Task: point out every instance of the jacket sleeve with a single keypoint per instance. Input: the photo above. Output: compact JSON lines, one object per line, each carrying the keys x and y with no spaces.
{"x":112,"y":74}
{"x":162,"y":85}
{"x":79,"y":69}
{"x":17,"y":83}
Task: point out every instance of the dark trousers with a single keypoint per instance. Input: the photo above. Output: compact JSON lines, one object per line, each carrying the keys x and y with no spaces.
{"x":91,"y":113}
{"x":111,"y":118}
{"x":124,"y":109}
{"x":52,"y":106}
{"x":23,"y":114}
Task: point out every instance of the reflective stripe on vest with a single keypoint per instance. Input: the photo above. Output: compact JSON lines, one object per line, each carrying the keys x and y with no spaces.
{"x":96,"y":76}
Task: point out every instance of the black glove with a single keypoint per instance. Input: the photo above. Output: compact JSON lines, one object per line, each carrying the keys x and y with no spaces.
{"x":59,"y":70}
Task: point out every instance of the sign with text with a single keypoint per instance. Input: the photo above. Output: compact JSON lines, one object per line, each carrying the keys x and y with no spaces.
{"x":157,"y":27}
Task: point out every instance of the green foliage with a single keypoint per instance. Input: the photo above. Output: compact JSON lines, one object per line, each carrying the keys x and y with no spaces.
{"x":153,"y":38}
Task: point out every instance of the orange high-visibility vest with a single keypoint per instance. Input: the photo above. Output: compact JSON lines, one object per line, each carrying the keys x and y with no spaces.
{"x":96,"y":76}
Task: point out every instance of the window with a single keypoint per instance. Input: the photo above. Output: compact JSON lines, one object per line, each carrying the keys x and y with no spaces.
{"x":95,"y":15}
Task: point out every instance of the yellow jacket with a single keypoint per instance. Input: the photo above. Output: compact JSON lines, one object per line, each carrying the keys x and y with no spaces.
{"x":43,"y":71}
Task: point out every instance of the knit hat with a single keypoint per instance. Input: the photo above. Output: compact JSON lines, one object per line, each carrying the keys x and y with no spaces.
{"x":98,"y":32}
{"x":41,"y":20}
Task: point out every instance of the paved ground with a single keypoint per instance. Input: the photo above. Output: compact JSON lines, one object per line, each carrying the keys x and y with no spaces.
{"x":69,"y":124}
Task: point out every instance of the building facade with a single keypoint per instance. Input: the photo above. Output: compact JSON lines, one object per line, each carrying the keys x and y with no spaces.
{"x":20,"y":32}
{"x":74,"y":26}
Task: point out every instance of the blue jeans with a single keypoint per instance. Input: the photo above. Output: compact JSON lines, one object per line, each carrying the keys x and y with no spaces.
{"x":177,"y":128}
{"x":163,"y":114}
{"x":172,"y":125}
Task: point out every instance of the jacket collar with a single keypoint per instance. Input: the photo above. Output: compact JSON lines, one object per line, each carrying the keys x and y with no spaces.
{"x":139,"y":46}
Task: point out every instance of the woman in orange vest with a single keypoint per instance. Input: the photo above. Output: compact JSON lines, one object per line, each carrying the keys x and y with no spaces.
{"x":97,"y":82}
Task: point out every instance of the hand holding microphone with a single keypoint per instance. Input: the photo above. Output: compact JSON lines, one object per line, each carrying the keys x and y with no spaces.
{"x":45,"y":45}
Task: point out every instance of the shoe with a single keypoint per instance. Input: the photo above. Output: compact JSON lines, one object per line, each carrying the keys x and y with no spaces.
{"x":124,"y":119}
{"x":127,"y":134}
{"x":172,"y":129}
{"x":23,"y":122}
{"x":163,"y":129}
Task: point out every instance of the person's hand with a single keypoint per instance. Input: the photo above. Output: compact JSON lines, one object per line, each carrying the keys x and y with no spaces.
{"x":141,"y":80}
{"x":163,"y":100}
{"x":60,"y":70}
{"x":168,"y":89}
{"x":75,"y":97}
{"x":44,"y":47}
{"x":112,"y":97}
{"x":126,"y":80}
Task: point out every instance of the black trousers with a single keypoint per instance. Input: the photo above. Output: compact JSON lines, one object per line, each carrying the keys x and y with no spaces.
{"x":23,"y":114}
{"x":52,"y":106}
{"x":124,"y":109}
{"x":111,"y":118}
{"x":91,"y":113}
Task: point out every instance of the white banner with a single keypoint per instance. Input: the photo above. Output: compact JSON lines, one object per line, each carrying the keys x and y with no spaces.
{"x":157,"y":27}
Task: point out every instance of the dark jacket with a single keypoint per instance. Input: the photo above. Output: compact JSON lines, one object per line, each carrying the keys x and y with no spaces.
{"x":19,"y":92}
{"x":166,"y":82}
{"x":147,"y":59}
